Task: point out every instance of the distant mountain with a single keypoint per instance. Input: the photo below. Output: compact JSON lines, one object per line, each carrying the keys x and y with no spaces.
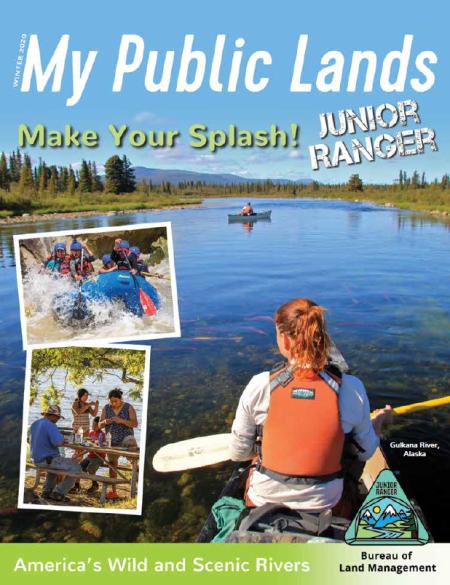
{"x":157,"y":176}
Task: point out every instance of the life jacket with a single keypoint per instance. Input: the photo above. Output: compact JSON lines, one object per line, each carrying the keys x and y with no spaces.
{"x":302,"y":438}
{"x":64,"y":267}
{"x":125,"y":260}
{"x":59,"y":265}
{"x":50,"y":263}
{"x":142,"y":266}
{"x":87,"y":266}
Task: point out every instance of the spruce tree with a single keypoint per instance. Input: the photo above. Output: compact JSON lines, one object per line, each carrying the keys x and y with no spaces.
{"x":63,"y":179}
{"x":26,"y":184}
{"x":42,"y":177}
{"x":71,"y":182}
{"x":85,"y":181}
{"x":53,"y":181}
{"x":5,"y":178}
{"x":129,"y":179}
{"x":114,"y":175}
{"x":13,"y":168}
{"x":97,"y":184}
{"x":19,"y":161}
{"x":355,"y":183}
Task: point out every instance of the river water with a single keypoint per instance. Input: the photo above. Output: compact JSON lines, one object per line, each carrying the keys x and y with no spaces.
{"x":381,"y":273}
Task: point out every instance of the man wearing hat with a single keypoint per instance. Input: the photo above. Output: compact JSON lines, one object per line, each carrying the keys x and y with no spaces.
{"x":45,"y":439}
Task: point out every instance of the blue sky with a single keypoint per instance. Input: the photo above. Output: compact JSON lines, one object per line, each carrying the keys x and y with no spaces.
{"x":269,"y":26}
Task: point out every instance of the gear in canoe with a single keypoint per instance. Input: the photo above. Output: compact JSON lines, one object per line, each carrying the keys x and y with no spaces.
{"x":122,"y":286}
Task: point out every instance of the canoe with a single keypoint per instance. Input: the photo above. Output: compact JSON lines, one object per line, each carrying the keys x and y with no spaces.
{"x":253,"y":217}
{"x":118,"y":286}
{"x":335,"y":533}
{"x":352,"y":499}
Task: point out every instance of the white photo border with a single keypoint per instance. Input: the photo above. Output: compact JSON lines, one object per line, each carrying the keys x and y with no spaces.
{"x":95,"y":341}
{"x":23,"y":448}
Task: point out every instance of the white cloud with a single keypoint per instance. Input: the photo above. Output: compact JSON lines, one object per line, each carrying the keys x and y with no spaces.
{"x":295,"y":154}
{"x":149,"y":117}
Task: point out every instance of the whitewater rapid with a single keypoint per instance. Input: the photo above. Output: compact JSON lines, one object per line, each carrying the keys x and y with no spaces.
{"x":111,"y":321}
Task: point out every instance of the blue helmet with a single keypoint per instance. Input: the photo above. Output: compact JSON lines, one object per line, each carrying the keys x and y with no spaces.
{"x":59,"y":246}
{"x":106,"y":259}
{"x":75,"y":246}
{"x":124,"y":244}
{"x":135,"y":250}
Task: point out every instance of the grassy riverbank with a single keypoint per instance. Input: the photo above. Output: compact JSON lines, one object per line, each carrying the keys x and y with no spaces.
{"x":13,"y":204}
{"x":430,"y":199}
{"x":426,"y":200}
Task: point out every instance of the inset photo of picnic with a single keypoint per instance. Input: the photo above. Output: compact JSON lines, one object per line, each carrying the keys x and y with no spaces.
{"x":84,"y":426}
{"x":107,"y":284}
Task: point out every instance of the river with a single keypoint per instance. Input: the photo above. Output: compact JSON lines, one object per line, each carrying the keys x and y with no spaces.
{"x":380,"y":272}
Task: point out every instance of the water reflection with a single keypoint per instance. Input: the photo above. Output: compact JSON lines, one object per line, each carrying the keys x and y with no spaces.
{"x":388,"y":311}
{"x":421,"y":220}
{"x":249,"y":223}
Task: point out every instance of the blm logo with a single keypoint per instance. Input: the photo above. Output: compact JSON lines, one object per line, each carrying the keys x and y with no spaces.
{"x":386,"y":516}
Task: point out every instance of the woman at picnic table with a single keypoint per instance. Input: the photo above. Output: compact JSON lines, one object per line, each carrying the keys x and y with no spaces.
{"x":118,"y":419}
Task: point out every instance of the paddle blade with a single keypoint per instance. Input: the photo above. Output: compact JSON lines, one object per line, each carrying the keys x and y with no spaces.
{"x":193,"y":453}
{"x":147,"y":304}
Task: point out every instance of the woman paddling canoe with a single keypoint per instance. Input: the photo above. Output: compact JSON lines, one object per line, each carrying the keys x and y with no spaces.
{"x":302,"y":413}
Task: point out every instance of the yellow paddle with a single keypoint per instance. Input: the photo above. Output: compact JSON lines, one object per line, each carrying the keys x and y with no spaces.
{"x":421,"y":405}
{"x":417,"y":406}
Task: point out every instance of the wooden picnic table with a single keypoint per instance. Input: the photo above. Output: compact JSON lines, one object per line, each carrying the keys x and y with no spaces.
{"x":133,"y":457}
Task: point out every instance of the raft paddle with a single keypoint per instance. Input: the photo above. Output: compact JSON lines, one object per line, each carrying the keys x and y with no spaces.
{"x":212,"y":449}
{"x":147,"y":304}
{"x":78,"y":312}
{"x":154,"y":275}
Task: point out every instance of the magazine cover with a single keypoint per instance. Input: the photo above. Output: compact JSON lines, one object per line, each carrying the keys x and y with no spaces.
{"x":224,"y":261}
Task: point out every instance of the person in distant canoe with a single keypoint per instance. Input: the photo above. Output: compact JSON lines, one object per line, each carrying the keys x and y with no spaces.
{"x":124,"y":257}
{"x":118,"y":419}
{"x":142,"y":266}
{"x":302,"y":412}
{"x":108,"y":265}
{"x":247,"y":209}
{"x":81,"y":258}
{"x":58,"y":262}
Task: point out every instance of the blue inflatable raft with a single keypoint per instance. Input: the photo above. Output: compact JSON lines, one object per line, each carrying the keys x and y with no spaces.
{"x":115,"y":286}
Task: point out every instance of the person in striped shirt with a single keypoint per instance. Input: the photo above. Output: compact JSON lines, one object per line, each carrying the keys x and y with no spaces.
{"x":82,"y":409}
